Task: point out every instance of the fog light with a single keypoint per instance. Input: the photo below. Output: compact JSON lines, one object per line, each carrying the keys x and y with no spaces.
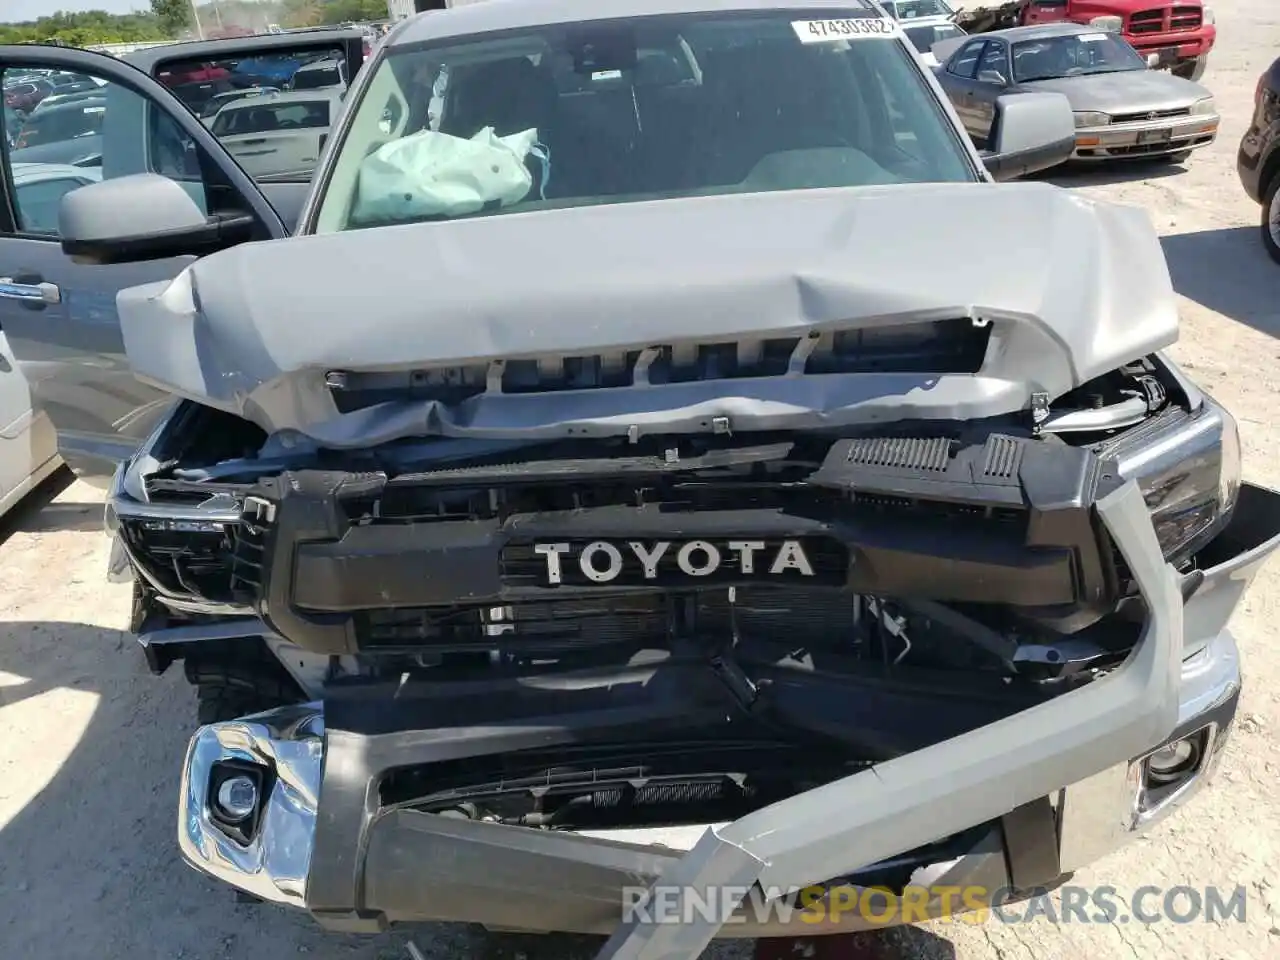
{"x":237,"y":798}
{"x":1171,"y":763}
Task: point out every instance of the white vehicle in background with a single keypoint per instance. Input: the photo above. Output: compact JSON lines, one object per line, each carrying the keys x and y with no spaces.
{"x":925,"y":22}
{"x":280,"y":133}
{"x":219,"y":100}
{"x":28,"y":446}
{"x":321,"y":75}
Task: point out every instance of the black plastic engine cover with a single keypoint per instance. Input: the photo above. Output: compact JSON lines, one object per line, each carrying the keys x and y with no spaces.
{"x":1007,"y":522}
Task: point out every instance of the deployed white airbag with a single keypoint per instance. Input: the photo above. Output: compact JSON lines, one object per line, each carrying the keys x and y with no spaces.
{"x":436,"y":174}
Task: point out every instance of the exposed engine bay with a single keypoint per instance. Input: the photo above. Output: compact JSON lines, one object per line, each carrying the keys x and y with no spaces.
{"x":784,"y":609}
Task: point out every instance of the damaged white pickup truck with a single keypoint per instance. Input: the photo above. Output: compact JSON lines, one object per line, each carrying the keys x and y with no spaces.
{"x":632,"y":470}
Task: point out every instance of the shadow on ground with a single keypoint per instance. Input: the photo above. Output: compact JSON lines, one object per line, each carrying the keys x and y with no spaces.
{"x":37,"y":511}
{"x":1098,"y":174}
{"x":1227,"y":271}
{"x":90,"y":750}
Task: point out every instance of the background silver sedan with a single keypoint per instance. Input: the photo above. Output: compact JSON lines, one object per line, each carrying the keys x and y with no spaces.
{"x":1123,"y":109}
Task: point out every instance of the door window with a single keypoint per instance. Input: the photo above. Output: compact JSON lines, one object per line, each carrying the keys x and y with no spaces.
{"x":58,"y":147}
{"x":965,"y":62}
{"x":239,"y":96}
{"x":994,"y":63}
{"x":38,"y":199}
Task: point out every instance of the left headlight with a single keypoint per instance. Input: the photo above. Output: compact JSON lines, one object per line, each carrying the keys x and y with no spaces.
{"x":1208,"y":16}
{"x":1090,"y":118}
{"x":1203,"y":107}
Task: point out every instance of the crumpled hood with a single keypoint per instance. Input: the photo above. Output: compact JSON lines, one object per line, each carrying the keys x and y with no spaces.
{"x":1072,"y":288}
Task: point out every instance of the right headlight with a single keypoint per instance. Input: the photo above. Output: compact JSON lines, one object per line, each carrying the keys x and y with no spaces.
{"x":1203,"y":107}
{"x":1189,"y":474}
{"x":1091,"y":118}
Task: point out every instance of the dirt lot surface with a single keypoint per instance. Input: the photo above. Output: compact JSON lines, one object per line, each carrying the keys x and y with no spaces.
{"x":90,"y":743}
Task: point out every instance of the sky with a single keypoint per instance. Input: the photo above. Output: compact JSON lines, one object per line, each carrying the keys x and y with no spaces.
{"x":19,"y":11}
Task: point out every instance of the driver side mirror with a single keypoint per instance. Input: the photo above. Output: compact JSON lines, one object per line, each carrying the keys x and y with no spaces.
{"x":1031,"y":132}
{"x":142,"y":217}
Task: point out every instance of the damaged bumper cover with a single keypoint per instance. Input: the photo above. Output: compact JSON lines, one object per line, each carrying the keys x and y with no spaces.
{"x":1018,"y":802}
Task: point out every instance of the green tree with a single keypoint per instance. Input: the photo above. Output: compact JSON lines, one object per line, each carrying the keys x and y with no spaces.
{"x":174,"y":16}
{"x":80,"y":29}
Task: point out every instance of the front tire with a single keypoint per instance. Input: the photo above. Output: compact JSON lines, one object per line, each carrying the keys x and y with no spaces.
{"x":1271,"y":218}
{"x":240,"y":682}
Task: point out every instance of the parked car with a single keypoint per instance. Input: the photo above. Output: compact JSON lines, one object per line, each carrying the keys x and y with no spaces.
{"x":320,"y":75}
{"x":278,"y":133}
{"x":40,"y":188}
{"x":1177,"y":37}
{"x":57,"y":99}
{"x":28,"y":443}
{"x":579,"y":495}
{"x":69,"y":83}
{"x":1258,"y":159}
{"x":925,"y":23}
{"x":25,"y":93}
{"x":267,"y":71}
{"x":1123,"y":110}
{"x":63,"y":133}
{"x":220,"y":100}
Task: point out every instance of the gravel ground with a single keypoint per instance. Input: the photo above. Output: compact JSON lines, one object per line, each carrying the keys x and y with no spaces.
{"x":90,"y":744}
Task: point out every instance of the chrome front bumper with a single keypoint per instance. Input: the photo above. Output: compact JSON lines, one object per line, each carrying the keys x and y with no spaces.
{"x":1074,"y":765}
{"x":1152,"y":138}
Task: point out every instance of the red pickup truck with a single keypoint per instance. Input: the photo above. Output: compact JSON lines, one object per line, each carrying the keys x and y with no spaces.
{"x":1177,"y":34}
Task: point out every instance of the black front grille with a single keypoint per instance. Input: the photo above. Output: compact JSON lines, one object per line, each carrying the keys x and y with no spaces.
{"x":186,"y":558}
{"x":1147,"y":21}
{"x":534,"y":629}
{"x":247,"y":558}
{"x":1146,"y":115}
{"x":1186,"y":18}
{"x":814,"y":617}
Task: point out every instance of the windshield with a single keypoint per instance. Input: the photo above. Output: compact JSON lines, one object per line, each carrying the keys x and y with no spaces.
{"x":643,"y":109}
{"x":911,"y":9}
{"x":923,"y":38}
{"x":221,"y":100}
{"x":1073,"y":55}
{"x":317,"y":77}
{"x":252,"y":117}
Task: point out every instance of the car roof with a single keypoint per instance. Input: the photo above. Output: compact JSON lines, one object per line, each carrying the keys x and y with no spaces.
{"x":77,"y":103}
{"x":488,"y":16}
{"x":35,"y":172}
{"x":328,"y":63}
{"x":938,"y":20}
{"x":1043,"y":31}
{"x":264,"y":44}
{"x":285,"y":96}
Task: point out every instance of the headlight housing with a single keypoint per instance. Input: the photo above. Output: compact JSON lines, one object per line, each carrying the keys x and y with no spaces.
{"x":1111,"y":24}
{"x":1091,"y":118}
{"x":1203,"y":107}
{"x":1208,"y":17}
{"x":1189,"y":474}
